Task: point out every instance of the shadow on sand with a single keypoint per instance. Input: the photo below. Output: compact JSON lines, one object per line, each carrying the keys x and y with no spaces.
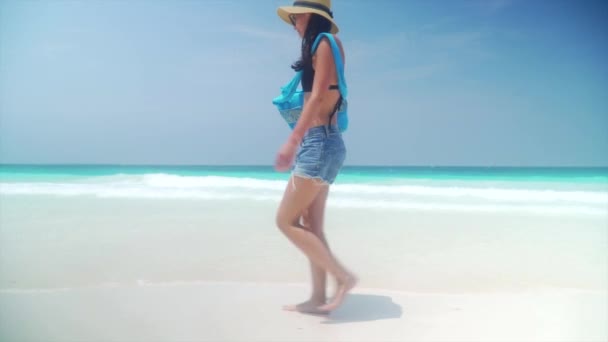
{"x":365,"y":307}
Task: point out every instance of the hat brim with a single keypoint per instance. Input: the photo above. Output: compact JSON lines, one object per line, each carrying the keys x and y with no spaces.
{"x":285,"y":11}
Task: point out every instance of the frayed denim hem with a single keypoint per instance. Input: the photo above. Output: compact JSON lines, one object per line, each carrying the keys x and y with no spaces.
{"x":320,"y":180}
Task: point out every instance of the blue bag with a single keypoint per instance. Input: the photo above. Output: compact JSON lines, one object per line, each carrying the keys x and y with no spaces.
{"x":291,"y":100}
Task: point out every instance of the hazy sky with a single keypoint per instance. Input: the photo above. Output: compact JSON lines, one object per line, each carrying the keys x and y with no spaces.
{"x":431,"y":82}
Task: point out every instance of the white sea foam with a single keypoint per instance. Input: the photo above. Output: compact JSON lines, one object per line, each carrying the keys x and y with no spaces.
{"x":382,"y":196}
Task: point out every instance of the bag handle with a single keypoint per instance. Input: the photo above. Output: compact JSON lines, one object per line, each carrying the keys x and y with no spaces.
{"x":337,"y":59}
{"x":290,"y":88}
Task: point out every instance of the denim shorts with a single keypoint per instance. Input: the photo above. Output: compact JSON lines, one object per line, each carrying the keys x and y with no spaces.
{"x":321,"y":154}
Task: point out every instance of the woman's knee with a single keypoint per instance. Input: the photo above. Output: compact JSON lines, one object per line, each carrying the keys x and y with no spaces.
{"x":311,"y":223}
{"x":314,"y":226}
{"x":280,"y":221}
{"x":305,"y":219}
{"x":283,"y":222}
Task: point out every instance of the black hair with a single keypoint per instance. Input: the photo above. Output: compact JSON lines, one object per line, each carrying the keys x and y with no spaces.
{"x":316,"y":24}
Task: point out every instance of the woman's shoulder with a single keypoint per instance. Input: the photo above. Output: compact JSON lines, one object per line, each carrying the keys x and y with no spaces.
{"x":339,"y":43}
{"x":326,"y":51}
{"x":325,"y":38}
{"x":327,"y":45}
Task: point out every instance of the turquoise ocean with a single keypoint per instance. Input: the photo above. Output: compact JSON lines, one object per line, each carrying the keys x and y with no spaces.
{"x":568,"y":191}
{"x":421,"y":229}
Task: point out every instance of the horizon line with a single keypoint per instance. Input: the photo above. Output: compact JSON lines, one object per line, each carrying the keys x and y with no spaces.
{"x":345,"y":166}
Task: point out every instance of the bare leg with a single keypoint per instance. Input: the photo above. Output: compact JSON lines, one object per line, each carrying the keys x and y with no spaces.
{"x":292,"y":205}
{"x":312,"y":220}
{"x":316,"y":219}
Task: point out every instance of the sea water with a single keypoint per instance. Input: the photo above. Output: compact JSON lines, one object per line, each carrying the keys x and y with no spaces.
{"x":405,"y":228}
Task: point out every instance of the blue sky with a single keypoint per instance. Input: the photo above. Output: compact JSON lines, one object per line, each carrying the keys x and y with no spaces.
{"x":459,"y":82}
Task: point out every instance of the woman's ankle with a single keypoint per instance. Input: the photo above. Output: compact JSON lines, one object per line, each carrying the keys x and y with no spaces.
{"x":318,"y":297}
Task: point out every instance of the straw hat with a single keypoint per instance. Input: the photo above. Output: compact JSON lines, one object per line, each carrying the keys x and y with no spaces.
{"x":320,"y":7}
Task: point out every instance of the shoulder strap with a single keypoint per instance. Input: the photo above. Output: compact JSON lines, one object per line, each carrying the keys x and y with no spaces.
{"x":337,"y":59}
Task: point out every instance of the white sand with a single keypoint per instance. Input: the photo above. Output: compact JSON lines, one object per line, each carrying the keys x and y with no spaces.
{"x":75,"y":242}
{"x":251,"y":312}
{"x":85,"y":269}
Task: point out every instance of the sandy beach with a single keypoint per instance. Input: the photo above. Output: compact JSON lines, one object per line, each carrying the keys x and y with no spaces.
{"x":251,"y":312}
{"x":85,"y":268}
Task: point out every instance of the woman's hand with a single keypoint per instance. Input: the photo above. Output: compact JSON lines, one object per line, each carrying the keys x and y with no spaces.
{"x":285,"y":156}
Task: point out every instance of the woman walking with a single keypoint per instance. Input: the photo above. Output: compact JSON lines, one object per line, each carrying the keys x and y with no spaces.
{"x":317,"y":148}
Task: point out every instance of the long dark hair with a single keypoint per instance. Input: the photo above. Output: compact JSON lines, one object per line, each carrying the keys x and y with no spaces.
{"x":317,"y":24}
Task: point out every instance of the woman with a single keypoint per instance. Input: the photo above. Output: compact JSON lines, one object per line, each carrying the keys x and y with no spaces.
{"x":319,"y":157}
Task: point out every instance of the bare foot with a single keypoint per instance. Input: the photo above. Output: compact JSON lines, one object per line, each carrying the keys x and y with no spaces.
{"x":344,"y":287}
{"x":309,"y":307}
